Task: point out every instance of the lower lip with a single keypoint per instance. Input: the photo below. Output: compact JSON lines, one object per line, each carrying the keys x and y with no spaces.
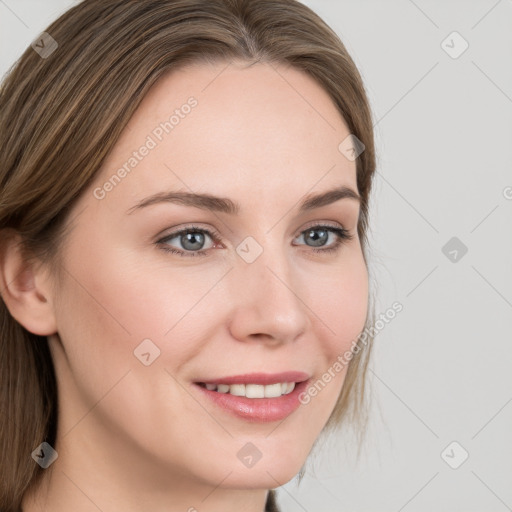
{"x":260,"y":410}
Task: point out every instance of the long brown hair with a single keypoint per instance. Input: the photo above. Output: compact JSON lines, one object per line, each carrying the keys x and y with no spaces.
{"x":61,"y":115}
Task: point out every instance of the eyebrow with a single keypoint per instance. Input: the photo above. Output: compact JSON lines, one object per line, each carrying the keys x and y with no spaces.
{"x":226,"y":205}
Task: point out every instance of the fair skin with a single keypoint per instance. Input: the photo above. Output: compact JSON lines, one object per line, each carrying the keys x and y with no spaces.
{"x":133,"y":437}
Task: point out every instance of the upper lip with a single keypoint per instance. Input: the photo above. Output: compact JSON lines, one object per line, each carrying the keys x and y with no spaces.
{"x":259,"y":378}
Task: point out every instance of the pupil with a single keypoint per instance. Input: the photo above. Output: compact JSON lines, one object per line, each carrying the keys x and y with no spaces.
{"x":318,"y":240}
{"x":192,"y":239}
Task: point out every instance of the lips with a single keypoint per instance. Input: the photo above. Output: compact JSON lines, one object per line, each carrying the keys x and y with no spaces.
{"x":256,"y":397}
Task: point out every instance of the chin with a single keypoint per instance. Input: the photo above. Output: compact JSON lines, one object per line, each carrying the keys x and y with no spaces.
{"x":268,"y":477}
{"x":275,"y":466}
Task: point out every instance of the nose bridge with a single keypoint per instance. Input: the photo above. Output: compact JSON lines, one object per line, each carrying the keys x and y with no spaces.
{"x":268,"y":301}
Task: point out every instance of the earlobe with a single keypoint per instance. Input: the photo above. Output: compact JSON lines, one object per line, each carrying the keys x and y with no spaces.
{"x":25,"y":288}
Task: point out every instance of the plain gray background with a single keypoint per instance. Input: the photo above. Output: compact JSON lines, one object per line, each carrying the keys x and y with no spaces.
{"x":441,"y":369}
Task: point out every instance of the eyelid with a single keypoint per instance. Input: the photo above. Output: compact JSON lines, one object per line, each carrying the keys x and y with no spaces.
{"x":319,"y":224}
{"x":192,"y":227}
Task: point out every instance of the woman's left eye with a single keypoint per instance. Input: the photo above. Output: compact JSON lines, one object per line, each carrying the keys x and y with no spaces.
{"x":192,"y":239}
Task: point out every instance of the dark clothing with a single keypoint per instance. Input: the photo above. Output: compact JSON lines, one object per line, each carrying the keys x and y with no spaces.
{"x":271,"y":505}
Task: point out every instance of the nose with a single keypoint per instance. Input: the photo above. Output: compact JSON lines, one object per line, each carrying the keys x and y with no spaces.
{"x":269,"y":301}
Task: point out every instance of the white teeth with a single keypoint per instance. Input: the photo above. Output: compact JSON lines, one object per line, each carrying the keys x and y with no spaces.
{"x":254,"y":390}
{"x":237,"y":389}
{"x":222,"y":388}
{"x":291,"y":387}
{"x":273,"y":390}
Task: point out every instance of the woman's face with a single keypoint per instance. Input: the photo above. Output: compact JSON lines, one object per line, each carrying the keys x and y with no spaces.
{"x":146,"y":315}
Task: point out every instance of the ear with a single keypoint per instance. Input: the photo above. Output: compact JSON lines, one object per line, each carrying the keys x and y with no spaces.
{"x":25,"y":288}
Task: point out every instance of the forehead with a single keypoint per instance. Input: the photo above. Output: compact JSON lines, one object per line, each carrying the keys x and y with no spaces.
{"x":232,"y":127}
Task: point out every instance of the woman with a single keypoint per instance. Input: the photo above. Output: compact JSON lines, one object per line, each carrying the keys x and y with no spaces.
{"x":184,"y":204}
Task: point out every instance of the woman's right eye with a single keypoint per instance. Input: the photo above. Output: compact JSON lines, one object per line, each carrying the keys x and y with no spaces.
{"x":192,"y":240}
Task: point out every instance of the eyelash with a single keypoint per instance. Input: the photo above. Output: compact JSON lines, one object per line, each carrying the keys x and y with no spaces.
{"x":342,"y":236}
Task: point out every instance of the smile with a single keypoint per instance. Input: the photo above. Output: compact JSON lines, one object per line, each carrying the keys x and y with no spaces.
{"x":256,"y":397}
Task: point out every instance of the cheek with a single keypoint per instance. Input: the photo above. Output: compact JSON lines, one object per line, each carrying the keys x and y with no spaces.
{"x":103,"y":313}
{"x":112,"y":301}
{"x":344,"y":306}
{"x":106,"y":308}
{"x":342,"y":310}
